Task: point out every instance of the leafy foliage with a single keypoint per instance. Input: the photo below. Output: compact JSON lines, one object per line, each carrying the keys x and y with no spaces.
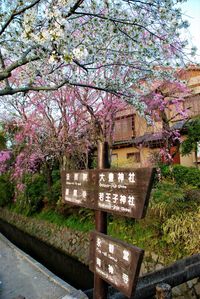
{"x":6,"y":190}
{"x":181,"y":175}
{"x":186,"y":175}
{"x":31,"y":199}
{"x":171,"y":227}
{"x":72,"y":221}
{"x":193,"y":137}
{"x":182,"y":230}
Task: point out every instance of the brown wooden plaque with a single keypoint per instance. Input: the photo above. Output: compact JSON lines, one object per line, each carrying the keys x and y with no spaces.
{"x":116,"y":262}
{"x":124,"y":192}
{"x":78,"y":188}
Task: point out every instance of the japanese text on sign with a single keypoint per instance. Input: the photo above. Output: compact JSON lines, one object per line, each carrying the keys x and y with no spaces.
{"x":124,"y":192}
{"x":116,"y":262}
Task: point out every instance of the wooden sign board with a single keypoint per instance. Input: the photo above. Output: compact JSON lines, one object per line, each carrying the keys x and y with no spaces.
{"x":124,"y":192}
{"x":79,"y":187}
{"x":115,"y":262}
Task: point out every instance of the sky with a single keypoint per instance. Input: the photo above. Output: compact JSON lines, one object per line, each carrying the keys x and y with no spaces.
{"x":191,"y":11}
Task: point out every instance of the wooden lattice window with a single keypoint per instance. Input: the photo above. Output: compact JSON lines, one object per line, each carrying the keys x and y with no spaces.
{"x":124,"y":128}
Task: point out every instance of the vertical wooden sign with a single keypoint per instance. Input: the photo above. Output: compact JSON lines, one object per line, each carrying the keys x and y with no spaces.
{"x":116,"y":262}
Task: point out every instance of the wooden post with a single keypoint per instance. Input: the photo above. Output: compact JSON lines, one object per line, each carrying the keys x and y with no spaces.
{"x":100,"y":286}
{"x":163,"y":291}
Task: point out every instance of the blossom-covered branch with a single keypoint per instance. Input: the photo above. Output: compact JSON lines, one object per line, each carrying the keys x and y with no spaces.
{"x":74,"y":39}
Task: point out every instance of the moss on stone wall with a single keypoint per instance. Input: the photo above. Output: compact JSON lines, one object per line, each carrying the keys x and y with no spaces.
{"x":71,"y":242}
{"x":76,"y":244}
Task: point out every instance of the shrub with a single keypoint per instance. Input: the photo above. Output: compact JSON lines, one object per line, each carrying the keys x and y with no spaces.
{"x":6,"y":190}
{"x":192,"y":195}
{"x":186,"y":175}
{"x":183,"y":231}
{"x":53,"y":195}
{"x":31,"y":200}
{"x":55,"y":175}
{"x":166,"y":171}
{"x":166,"y":198}
{"x":168,"y":192}
{"x":56,"y":190}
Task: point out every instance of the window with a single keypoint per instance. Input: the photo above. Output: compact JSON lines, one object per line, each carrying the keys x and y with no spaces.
{"x":124,"y":128}
{"x":135,"y":157}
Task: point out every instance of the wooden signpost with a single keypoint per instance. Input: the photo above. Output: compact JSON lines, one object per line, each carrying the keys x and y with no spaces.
{"x":123,"y":192}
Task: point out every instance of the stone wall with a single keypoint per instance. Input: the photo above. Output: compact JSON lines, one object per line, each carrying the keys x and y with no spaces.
{"x":73,"y":243}
{"x":76,"y":244}
{"x":188,"y":290}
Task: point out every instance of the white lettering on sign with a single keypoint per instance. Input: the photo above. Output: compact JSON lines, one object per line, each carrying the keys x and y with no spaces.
{"x":108,"y":197}
{"x":101,"y":177}
{"x":122,"y":199}
{"x":131,"y":177}
{"x":112,"y":258}
{"x":98,"y":262}
{"x":111,"y":207}
{"x":111,"y":248}
{"x":111,"y":177}
{"x":125,"y":278}
{"x":99,"y":241}
{"x":75,"y":193}
{"x":85,"y":177}
{"x":110,"y":269}
{"x":120,"y":177}
{"x":118,"y":180}
{"x":76,"y":177}
{"x":126,"y":255}
{"x":73,"y":196}
{"x":101,"y":196}
{"x":115,"y":198}
{"x":131,"y":200}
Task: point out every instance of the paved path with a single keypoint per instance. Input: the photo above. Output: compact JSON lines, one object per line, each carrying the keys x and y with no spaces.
{"x":22,"y":275}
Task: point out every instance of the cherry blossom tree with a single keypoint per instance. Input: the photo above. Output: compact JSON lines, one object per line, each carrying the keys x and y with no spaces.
{"x":58,"y":126}
{"x":76,"y":39}
{"x":166,"y":107}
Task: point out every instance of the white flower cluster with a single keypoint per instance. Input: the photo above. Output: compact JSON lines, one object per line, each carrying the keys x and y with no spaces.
{"x":113,"y":44}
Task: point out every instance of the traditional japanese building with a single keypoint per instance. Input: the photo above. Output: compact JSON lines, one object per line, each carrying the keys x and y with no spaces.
{"x":136,"y":143}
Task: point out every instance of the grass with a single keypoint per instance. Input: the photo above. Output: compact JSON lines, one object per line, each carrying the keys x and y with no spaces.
{"x":168,"y":229}
{"x":73,"y":221}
